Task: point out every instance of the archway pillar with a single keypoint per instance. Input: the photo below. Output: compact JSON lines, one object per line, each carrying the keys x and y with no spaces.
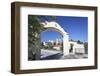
{"x":65,"y":44}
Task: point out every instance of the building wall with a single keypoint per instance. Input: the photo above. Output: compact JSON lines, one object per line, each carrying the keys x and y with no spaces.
{"x":77,"y":48}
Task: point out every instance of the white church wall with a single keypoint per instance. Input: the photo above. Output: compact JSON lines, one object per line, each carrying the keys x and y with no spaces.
{"x":77,"y":48}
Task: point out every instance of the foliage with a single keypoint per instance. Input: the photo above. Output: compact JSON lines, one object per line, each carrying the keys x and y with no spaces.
{"x":79,"y":42}
{"x":71,"y":48}
{"x":86,"y":47}
{"x":34,"y":31}
{"x":61,"y":46}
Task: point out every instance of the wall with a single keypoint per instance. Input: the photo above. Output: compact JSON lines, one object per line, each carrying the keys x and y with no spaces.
{"x":77,"y":47}
{"x":5,"y":35}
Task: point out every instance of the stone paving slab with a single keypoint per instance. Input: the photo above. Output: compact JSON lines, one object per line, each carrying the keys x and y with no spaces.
{"x":46,"y":53}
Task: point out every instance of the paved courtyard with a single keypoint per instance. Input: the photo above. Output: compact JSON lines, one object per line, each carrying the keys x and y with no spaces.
{"x":52,"y":54}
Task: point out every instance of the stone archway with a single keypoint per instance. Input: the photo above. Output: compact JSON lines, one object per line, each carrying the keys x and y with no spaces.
{"x":55,"y":26}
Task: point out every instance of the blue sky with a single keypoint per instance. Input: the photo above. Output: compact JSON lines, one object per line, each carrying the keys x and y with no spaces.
{"x":77,"y":27}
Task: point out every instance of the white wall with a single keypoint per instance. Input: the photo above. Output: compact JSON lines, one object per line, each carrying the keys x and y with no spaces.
{"x":77,"y":47}
{"x":5,"y":42}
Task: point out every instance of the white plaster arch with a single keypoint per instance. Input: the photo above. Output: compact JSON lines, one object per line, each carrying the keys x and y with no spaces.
{"x":55,"y":26}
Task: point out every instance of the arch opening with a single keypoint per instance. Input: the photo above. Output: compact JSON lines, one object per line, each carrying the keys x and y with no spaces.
{"x":55,"y":26}
{"x":52,"y":44}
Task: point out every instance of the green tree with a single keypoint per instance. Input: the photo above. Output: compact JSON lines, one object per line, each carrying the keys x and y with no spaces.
{"x":79,"y":42}
{"x":86,"y":47}
{"x":50,"y":46}
{"x":34,"y":30}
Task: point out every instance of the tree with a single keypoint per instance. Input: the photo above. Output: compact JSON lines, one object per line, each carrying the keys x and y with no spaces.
{"x":79,"y":42}
{"x":86,"y":47}
{"x":34,"y":30}
{"x":71,"y":48}
{"x":62,"y":46}
{"x":50,"y":46}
